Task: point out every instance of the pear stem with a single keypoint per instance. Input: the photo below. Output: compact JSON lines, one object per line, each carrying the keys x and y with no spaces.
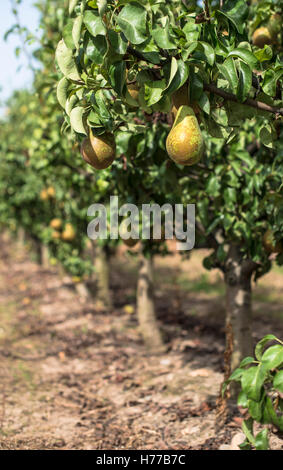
{"x":249,"y":102}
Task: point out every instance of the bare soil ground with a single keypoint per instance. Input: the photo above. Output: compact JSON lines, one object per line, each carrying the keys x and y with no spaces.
{"x":75,"y":377}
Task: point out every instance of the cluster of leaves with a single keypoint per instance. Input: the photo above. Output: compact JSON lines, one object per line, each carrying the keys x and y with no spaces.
{"x":261,"y":380}
{"x":159,"y":47}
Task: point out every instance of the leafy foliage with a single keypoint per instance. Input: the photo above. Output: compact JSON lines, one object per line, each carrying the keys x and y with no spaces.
{"x":261,"y":380}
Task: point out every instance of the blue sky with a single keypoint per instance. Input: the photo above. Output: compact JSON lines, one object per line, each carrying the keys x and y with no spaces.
{"x":14,"y":72}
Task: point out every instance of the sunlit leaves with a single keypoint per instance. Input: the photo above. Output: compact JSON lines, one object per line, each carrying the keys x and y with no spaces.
{"x":66,"y":61}
{"x":245,"y":81}
{"x":236,"y":11}
{"x":76,"y":118}
{"x":132,"y":21}
{"x":93,"y":23}
{"x":179,"y":72}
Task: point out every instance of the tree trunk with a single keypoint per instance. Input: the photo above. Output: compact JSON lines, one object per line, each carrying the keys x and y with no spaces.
{"x":103,"y":293}
{"x":21,"y":239}
{"x":45,"y":256}
{"x":36,"y":249}
{"x":238,"y":274}
{"x":146,"y":309}
{"x":82,"y":290}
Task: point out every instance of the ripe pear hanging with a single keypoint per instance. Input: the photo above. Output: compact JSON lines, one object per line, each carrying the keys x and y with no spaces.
{"x":185,"y":143}
{"x":99,"y":151}
{"x":261,"y":37}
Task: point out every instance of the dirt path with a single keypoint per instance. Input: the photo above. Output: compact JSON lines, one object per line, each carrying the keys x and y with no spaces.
{"x":74,"y":377}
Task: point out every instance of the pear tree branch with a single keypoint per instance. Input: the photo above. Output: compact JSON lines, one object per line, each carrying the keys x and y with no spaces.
{"x":248,"y":102}
{"x":206,"y":9}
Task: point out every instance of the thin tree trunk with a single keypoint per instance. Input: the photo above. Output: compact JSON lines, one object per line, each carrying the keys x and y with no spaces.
{"x":238,"y":274}
{"x":45,"y":256}
{"x":103,"y":293}
{"x":36,"y":249}
{"x":146,"y":307}
{"x":82,"y":290}
{"x":21,"y":238}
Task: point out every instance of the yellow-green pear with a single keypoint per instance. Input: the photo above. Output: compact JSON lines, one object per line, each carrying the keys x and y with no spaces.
{"x":261,"y":37}
{"x":56,"y":224}
{"x":99,"y":151}
{"x":69,"y":233}
{"x":185,"y":143}
{"x":275,"y":25}
{"x":132,"y":94}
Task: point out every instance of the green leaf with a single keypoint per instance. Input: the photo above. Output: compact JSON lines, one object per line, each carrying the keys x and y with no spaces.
{"x":213,"y":186}
{"x":236,"y":11}
{"x":256,"y":409}
{"x":76,"y":118}
{"x":72,"y":5}
{"x":245,"y":362}
{"x":153,"y":91}
{"x":204,"y":103}
{"x":261,"y":440}
{"x":245,"y":81}
{"x":270,"y":81}
{"x":94,"y":23}
{"x":247,"y":427}
{"x":132,"y":21}
{"x":66,"y":62}
{"x":264,"y":54}
{"x":117,"y":75}
{"x":76,"y":31}
{"x":102,"y":6}
{"x":242,"y":400}
{"x":62,"y":91}
{"x":229,"y":72}
{"x":247,"y":56}
{"x":191,"y":30}
{"x":252,"y":381}
{"x":266,"y":136}
{"x":261,"y":344}
{"x":68,"y":34}
{"x":118,"y":45}
{"x":207,"y":52}
{"x":278,"y":381}
{"x":270,"y":415}
{"x":95,"y":48}
{"x":178,"y":75}
{"x":70,"y":104}
{"x":273,"y":357}
{"x":102,"y":104}
{"x":162,"y":37}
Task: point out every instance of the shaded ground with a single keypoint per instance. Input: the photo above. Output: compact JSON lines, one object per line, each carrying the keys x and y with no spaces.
{"x":74,"y":377}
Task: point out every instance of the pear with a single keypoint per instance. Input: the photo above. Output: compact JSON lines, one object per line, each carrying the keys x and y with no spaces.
{"x":275,"y":25}
{"x":51,"y":192}
{"x":133,"y":90}
{"x":44,"y":195}
{"x":270,"y":244}
{"x":185,"y":143}
{"x":99,"y":151}
{"x":132,"y":94}
{"x":261,"y":37}
{"x":68,"y":234}
{"x":56,"y":224}
{"x":56,"y":235}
